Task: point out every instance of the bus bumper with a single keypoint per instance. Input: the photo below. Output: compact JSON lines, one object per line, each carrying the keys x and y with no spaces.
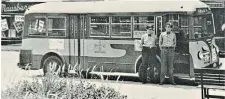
{"x":23,"y":65}
{"x":26,"y":66}
{"x":215,"y":65}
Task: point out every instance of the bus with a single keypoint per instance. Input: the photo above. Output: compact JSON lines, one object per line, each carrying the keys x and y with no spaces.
{"x":103,"y":37}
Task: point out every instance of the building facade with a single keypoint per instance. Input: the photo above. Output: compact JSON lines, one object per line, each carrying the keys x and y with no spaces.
{"x":12,"y":20}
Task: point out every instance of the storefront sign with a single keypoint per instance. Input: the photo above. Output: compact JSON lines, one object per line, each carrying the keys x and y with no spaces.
{"x":4,"y":25}
{"x":19,"y":18}
{"x":12,"y":33}
{"x":16,"y":7}
{"x":18,"y":26}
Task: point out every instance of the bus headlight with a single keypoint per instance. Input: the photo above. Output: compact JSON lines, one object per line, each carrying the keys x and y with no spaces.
{"x":200,"y":55}
{"x":216,"y":48}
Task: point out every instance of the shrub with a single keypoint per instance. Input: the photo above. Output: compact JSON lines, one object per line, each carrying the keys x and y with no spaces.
{"x":53,"y":87}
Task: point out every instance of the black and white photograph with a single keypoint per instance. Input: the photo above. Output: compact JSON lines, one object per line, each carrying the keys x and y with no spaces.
{"x":112,"y":49}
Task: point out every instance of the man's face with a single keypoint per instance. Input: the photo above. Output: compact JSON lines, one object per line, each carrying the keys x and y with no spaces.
{"x":168,"y":28}
{"x":150,"y":31}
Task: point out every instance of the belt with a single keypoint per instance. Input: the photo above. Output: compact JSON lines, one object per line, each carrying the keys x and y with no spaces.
{"x":148,"y":47}
{"x":167,"y":47}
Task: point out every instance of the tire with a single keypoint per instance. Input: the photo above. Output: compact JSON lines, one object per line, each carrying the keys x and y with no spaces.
{"x":149,"y":76}
{"x":156,"y":73}
{"x":52,"y":64}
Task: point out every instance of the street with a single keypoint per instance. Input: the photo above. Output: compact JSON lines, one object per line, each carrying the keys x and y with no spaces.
{"x":11,"y":74}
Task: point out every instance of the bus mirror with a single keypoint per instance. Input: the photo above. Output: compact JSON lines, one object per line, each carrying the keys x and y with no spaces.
{"x":223,"y":27}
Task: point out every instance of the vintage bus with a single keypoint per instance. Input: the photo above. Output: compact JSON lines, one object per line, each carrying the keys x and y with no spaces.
{"x":103,"y":37}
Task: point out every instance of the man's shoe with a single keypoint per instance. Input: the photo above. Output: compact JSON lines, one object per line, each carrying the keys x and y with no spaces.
{"x":173,"y":83}
{"x":143,"y":82}
{"x":161,"y":83}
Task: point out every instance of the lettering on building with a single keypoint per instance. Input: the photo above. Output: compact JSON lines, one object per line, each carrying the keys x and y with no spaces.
{"x":15,"y":7}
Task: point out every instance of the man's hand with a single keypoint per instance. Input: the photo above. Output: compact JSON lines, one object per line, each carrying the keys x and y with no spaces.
{"x":141,"y":46}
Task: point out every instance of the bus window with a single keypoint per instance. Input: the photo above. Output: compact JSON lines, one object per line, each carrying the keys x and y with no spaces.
{"x":99,"y":26}
{"x":121,"y":26}
{"x":203,"y":26}
{"x":57,"y":26}
{"x":140,"y":24}
{"x":174,"y":19}
{"x":184,"y":23}
{"x":159,"y":25}
{"x":37,"y":27}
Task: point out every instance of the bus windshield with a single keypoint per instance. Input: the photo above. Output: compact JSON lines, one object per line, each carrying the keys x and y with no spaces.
{"x":203,"y":26}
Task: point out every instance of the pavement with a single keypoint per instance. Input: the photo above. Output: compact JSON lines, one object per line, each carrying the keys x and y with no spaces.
{"x":10,"y":74}
{"x":11,"y":47}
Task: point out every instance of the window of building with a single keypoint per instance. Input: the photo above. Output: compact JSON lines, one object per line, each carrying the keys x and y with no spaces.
{"x":121,"y":26}
{"x":99,"y":26}
{"x":37,"y":27}
{"x":56,"y":26}
{"x":140,"y":24}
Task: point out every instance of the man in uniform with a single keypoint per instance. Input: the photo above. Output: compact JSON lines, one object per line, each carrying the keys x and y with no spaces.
{"x":167,"y":44}
{"x":148,"y":51}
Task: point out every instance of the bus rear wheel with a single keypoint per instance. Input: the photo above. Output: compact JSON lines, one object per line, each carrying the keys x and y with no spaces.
{"x":152,"y":76}
{"x":52,"y":65}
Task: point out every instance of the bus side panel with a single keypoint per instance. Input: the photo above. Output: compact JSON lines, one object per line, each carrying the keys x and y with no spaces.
{"x":40,"y":47}
{"x":111,"y":55}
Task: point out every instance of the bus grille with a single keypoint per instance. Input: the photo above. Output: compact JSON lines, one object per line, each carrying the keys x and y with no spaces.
{"x":210,"y":76}
{"x":25,"y":56}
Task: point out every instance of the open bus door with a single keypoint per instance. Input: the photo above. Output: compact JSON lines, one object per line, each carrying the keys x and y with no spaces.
{"x":182,"y":58}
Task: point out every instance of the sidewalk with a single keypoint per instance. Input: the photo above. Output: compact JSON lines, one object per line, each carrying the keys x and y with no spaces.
{"x":11,"y":47}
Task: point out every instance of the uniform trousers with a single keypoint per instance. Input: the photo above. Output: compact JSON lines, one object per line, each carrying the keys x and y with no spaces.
{"x":148,"y":60}
{"x":167,"y":59}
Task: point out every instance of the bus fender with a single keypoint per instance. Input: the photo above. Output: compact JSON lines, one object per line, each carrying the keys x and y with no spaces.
{"x":50,"y":53}
{"x":138,"y":62}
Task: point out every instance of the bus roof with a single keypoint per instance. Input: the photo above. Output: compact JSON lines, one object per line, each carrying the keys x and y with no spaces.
{"x":116,"y":7}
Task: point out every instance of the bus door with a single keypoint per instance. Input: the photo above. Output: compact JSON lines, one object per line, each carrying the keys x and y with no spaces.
{"x":158,"y":31}
{"x":77,"y":36}
{"x":180,"y":28}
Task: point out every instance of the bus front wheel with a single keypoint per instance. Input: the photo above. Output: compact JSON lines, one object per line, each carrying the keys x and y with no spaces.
{"x":52,"y":65}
